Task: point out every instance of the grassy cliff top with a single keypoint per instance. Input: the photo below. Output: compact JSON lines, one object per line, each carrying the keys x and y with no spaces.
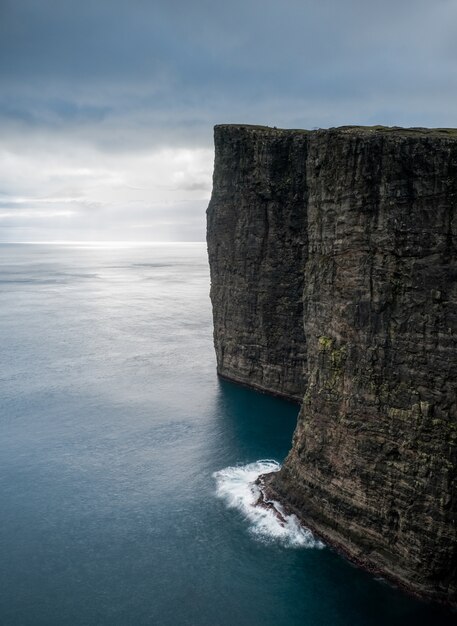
{"x":390,"y":130}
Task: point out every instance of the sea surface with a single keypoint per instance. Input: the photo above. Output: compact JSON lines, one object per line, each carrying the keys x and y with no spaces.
{"x":126,"y":465}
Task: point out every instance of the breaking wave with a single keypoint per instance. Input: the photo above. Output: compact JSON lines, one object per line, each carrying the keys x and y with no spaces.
{"x":236,"y":486}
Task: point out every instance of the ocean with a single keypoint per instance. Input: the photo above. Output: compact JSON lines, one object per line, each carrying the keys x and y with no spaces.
{"x":126,"y":464}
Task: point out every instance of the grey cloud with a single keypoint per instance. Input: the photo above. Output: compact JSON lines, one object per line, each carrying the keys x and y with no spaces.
{"x":172,"y":63}
{"x":116,"y":79}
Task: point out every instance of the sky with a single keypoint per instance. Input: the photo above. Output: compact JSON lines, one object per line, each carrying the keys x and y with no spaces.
{"x":107,"y":107}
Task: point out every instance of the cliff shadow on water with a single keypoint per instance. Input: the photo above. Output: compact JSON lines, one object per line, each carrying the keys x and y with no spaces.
{"x":334,"y":281}
{"x":254,"y":421}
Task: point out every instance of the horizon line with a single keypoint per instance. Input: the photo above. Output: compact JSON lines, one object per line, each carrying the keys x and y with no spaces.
{"x":99,"y":242}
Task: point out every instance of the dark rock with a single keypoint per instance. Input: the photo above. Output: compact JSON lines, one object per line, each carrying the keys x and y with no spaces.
{"x":257,"y":246}
{"x":334,"y":276}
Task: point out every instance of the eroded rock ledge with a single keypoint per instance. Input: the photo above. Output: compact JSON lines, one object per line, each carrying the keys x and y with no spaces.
{"x":334,"y":282}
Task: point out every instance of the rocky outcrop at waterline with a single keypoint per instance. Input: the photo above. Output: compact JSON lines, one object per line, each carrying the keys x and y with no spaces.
{"x":333,"y":257}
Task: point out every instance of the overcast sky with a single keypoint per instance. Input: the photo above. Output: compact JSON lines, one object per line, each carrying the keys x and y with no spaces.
{"x":107,"y":106}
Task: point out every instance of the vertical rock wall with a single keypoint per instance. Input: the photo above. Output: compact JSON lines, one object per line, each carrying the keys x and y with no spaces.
{"x":334,"y":275}
{"x":257,"y":246}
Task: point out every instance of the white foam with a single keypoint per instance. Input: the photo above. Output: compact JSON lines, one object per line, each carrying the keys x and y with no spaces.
{"x":236,"y":486}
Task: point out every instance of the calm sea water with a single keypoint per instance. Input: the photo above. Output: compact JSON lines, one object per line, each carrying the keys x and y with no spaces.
{"x":112,"y":426}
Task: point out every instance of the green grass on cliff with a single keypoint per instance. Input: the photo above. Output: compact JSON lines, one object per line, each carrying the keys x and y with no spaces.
{"x":449,"y":132}
{"x":391,"y":130}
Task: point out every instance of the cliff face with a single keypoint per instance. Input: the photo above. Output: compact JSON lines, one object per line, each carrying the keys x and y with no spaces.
{"x":257,"y":245}
{"x":334,"y":274}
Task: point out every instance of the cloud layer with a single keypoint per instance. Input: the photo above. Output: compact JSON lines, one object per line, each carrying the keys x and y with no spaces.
{"x":107,"y":107}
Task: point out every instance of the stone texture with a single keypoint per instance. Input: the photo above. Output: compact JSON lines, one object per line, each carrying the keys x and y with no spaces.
{"x":334,"y":275}
{"x":256,"y":246}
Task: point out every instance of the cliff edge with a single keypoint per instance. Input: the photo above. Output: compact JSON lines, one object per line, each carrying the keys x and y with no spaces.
{"x":333,"y":257}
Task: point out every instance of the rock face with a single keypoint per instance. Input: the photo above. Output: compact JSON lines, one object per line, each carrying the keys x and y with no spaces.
{"x":257,"y":247}
{"x":333,"y":258}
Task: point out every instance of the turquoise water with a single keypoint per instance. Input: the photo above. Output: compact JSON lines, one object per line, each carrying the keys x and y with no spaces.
{"x":112,"y":425}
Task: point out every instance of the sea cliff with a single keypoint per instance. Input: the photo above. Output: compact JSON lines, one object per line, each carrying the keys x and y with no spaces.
{"x":333,"y":257}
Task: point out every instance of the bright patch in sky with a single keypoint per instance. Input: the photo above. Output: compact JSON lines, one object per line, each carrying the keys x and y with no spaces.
{"x":154,"y":195}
